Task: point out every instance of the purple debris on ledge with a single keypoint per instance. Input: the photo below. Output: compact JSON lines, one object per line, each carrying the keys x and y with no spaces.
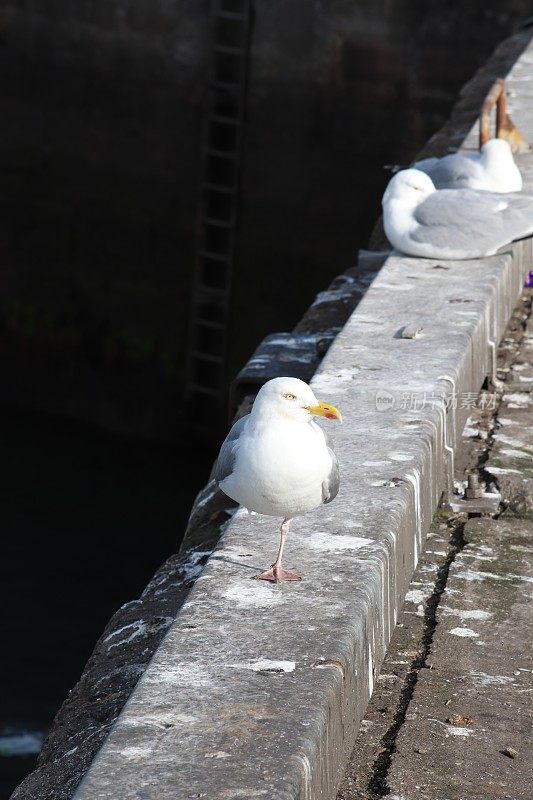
{"x":529,"y":281}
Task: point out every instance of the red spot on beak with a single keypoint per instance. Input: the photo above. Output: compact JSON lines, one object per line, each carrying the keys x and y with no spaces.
{"x":329,"y":415}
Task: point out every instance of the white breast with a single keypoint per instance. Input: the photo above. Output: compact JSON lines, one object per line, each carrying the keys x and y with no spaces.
{"x":279,"y":469}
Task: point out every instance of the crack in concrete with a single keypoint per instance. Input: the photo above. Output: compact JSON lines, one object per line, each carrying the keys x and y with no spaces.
{"x":377,"y":786}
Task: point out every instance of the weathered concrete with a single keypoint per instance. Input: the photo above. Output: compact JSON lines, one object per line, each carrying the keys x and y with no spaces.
{"x":311,"y":680}
{"x":511,"y":458}
{"x":471,"y":704}
{"x":410,"y":652}
{"x":466,"y":303}
{"x":311,"y":690}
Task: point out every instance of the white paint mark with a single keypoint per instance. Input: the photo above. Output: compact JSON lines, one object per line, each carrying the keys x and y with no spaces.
{"x":516,"y":399}
{"x":331,"y":541}
{"x":464,"y":633}
{"x":501,"y":470}
{"x":521,"y":548}
{"x":476,"y":557}
{"x":474,"y":575}
{"x":337,"y":382}
{"x":455,"y":730}
{"x":471,"y":433}
{"x":257,"y":595}
{"x":140,"y":628}
{"x":513,"y":442}
{"x":503,"y":421}
{"x":395,"y":456}
{"x":490,"y":680}
{"x":417,"y":596}
{"x":192,"y":568}
{"x":466,"y":613}
{"x":515,"y":453}
{"x":266,"y":665}
{"x":134,"y":751}
{"x":195,"y":675}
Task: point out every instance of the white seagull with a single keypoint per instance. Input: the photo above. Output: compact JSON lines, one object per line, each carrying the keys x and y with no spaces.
{"x":420,"y":220}
{"x":492,"y":169}
{"x":277,"y":460}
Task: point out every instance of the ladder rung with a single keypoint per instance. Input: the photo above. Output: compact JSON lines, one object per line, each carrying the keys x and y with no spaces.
{"x":214,"y":256}
{"x":207,"y":357}
{"x":221,"y":153}
{"x":196,"y":387}
{"x":224,"y":48}
{"x":217,"y":187}
{"x":202,"y":287}
{"x":234,"y":15}
{"x":217,"y":223}
{"x":224,"y":119}
{"x":208,"y":323}
{"x":234,"y":86}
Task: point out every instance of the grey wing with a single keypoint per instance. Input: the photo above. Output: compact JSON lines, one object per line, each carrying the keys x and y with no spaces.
{"x":453,"y":172}
{"x":473,"y":221}
{"x":330,"y":486}
{"x":227,"y":455}
{"x":425,"y":164}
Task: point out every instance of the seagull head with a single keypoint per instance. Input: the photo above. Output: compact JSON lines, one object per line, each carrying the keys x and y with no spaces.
{"x":291,"y":399}
{"x":497,"y":150}
{"x":497,"y":158}
{"x":409,"y":185}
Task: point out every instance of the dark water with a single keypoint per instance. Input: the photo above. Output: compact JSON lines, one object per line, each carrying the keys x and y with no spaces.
{"x":86,"y":519}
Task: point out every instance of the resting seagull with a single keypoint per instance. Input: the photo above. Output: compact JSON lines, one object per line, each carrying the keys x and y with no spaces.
{"x":277,"y":460}
{"x":420,"y":220}
{"x":492,"y":169}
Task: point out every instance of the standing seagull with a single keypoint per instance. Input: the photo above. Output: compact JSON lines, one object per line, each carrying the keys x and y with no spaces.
{"x":277,"y":460}
{"x":420,"y":220}
{"x":492,"y":169}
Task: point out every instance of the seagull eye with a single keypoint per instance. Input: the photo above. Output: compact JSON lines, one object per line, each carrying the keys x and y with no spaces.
{"x":289,"y":396}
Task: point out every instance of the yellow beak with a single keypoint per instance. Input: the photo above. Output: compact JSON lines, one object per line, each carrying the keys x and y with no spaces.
{"x":325,"y":410}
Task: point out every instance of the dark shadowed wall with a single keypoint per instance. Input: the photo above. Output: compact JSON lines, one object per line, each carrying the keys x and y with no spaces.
{"x":101,"y":106}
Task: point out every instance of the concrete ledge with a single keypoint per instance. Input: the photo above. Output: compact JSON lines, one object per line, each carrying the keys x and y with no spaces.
{"x":258,"y":690}
{"x":166,"y":743}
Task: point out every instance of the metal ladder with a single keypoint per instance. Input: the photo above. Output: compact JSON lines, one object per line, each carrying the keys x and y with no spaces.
{"x":217,"y":213}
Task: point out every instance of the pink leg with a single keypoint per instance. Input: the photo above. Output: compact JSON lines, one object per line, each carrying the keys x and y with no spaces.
{"x":276,"y":573}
